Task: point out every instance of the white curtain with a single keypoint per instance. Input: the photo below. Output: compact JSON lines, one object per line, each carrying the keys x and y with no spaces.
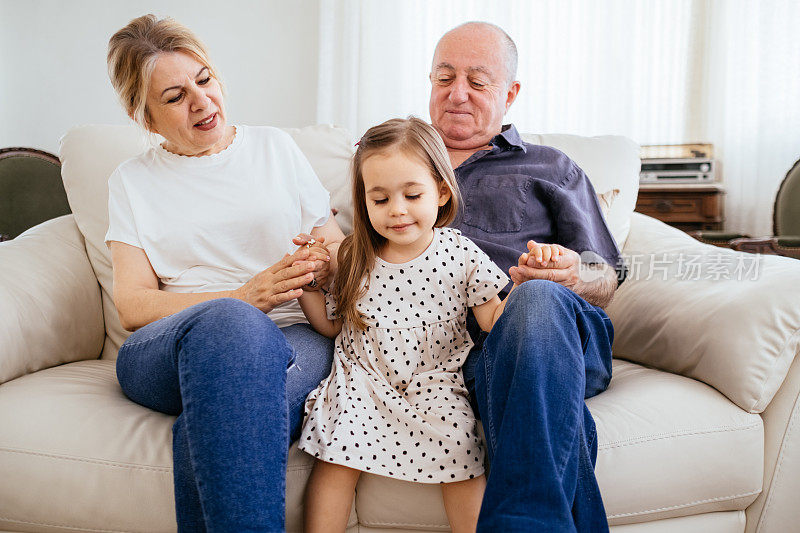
{"x":720,"y":71}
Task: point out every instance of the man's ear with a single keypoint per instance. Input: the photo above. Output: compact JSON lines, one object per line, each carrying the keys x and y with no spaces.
{"x":444,"y":194}
{"x":513,"y":91}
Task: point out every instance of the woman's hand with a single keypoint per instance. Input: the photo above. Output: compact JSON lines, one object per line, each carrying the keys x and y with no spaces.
{"x":318,"y":253}
{"x":279,"y":283}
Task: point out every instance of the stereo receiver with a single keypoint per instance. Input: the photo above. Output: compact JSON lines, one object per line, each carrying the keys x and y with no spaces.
{"x":678,"y":163}
{"x":673,"y":170}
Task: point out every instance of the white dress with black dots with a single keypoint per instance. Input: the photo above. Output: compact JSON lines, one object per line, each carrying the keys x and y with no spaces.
{"x":395,"y":403}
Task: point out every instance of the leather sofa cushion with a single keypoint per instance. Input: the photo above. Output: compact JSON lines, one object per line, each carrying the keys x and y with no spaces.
{"x":75,"y":453}
{"x":45,"y":272}
{"x":671,"y":446}
{"x":729,"y":319}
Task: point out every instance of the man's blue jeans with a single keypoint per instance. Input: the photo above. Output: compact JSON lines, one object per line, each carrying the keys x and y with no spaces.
{"x":238,"y":385}
{"x":549,"y":351}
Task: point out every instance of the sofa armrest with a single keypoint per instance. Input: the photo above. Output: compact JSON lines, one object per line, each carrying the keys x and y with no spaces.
{"x":50,"y":309}
{"x":726,"y":318}
{"x":776,"y":510}
{"x":786,"y":246}
{"x":717,"y":238}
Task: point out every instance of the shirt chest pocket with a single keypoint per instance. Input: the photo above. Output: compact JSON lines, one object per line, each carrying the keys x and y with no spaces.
{"x":497,"y":203}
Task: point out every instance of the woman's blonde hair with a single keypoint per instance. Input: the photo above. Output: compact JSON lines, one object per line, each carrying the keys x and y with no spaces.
{"x":132,"y":55}
{"x":357,"y":253}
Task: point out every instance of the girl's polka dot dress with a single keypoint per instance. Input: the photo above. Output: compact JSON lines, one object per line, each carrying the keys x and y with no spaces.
{"x":395,"y":403}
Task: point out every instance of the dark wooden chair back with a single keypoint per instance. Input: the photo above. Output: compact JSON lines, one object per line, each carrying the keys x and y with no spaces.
{"x":31,"y":190}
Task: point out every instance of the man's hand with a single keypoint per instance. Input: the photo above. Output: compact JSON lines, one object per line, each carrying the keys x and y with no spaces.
{"x":552,"y":262}
{"x":318,"y":253}
{"x":595,"y":284}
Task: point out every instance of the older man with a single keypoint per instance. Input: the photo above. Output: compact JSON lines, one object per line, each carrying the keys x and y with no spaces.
{"x":551,"y":349}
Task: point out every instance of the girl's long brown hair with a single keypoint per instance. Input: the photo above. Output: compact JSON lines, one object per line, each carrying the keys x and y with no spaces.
{"x":358,"y":251}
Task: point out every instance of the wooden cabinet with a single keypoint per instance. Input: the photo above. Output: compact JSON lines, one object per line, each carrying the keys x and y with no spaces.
{"x":685,"y":206}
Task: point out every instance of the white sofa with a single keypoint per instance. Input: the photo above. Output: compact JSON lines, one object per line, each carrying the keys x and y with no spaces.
{"x":697,"y":432}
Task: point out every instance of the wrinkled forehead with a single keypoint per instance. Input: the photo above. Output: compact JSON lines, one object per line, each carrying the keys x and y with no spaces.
{"x":171,"y":68}
{"x":480,"y":52}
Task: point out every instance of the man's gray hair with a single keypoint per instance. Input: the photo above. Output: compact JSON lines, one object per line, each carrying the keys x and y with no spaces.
{"x":510,"y":48}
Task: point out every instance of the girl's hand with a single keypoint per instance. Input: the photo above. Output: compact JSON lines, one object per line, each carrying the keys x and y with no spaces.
{"x":541,"y":255}
{"x":279,"y":283}
{"x":321,"y":257}
{"x":547,"y":261}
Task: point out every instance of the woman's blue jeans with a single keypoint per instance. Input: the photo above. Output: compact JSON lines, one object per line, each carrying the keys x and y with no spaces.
{"x":549,"y":351}
{"x":238,"y":384}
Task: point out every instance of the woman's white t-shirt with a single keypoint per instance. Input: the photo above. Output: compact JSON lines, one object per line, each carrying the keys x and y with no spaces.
{"x":211,"y":223}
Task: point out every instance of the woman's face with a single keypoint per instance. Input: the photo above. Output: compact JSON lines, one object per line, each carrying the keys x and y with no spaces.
{"x":185,"y":106}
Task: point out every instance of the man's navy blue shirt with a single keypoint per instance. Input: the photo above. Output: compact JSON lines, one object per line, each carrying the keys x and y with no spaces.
{"x":516,"y":192}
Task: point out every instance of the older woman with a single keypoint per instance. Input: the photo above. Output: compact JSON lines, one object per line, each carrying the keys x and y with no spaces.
{"x":194,"y":225}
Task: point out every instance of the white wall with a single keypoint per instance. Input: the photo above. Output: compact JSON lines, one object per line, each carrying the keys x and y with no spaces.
{"x":53,"y":68}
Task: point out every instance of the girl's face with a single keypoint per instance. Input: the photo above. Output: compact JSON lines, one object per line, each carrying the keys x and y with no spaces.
{"x":403,"y":201}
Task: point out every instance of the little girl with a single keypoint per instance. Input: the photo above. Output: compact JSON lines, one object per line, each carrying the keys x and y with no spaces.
{"x":395,"y":403}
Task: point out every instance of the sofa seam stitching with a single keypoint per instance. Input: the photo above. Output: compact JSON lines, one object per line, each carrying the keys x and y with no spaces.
{"x":63,"y":526}
{"x":762,"y":520}
{"x":673,"y":507}
{"x":407,"y":524}
{"x":102,"y":462}
{"x":87,"y":460}
{"x":720,"y":429}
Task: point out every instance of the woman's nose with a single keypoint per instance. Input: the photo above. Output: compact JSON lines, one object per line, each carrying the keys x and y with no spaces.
{"x":199,"y":99}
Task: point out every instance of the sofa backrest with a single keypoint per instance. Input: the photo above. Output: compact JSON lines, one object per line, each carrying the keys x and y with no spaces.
{"x":89,"y":154}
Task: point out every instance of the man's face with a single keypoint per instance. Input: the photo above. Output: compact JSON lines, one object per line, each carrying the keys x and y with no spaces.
{"x":470,"y":92}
